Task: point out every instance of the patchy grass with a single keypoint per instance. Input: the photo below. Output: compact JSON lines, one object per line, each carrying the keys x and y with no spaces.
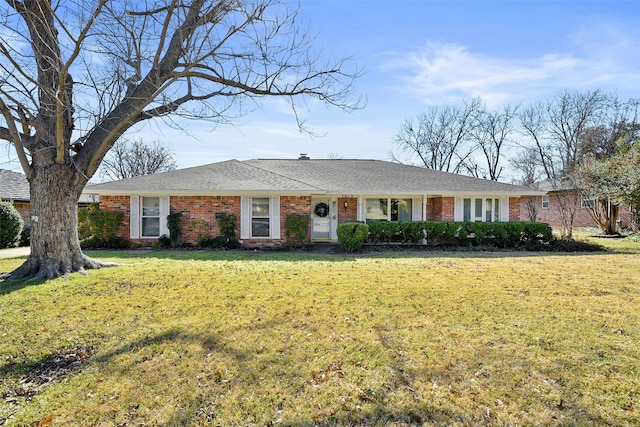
{"x":434,"y":338}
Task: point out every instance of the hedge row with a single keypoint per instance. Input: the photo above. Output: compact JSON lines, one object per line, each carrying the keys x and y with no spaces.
{"x":500,"y":234}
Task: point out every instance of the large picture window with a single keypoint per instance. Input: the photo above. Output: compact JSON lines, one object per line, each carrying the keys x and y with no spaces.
{"x":480,"y":210}
{"x":260,"y":217}
{"x":150,"y":217}
{"x":387,"y":209}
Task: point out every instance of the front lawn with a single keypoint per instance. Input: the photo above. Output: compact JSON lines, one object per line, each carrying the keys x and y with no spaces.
{"x":433,"y":338}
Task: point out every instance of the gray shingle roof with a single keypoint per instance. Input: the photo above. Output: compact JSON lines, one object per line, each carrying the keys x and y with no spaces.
{"x":362,"y":177}
{"x":13,"y":186}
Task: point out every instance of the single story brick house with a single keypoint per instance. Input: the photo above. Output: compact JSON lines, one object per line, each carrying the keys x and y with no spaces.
{"x":14,"y":188}
{"x":261,"y":193}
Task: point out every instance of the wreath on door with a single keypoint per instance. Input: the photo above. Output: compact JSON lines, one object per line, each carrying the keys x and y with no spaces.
{"x":321,"y":210}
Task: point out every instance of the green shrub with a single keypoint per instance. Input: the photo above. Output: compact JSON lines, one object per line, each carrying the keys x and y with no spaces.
{"x":202,"y":231}
{"x":384,"y":231}
{"x":25,"y":236}
{"x":500,"y":234}
{"x":99,"y":229}
{"x":219,"y":242}
{"x":296,"y":229}
{"x":164,"y":241}
{"x":11,"y":225}
{"x":352,"y":235}
{"x":227,"y":225}
{"x":173,"y":223}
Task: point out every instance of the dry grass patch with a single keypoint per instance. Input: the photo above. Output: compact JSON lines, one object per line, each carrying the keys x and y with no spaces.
{"x":433,"y":338}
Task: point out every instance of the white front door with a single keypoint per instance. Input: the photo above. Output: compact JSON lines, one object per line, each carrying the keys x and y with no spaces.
{"x":321,"y":225}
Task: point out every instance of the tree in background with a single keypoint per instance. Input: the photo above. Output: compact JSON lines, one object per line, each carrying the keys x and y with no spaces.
{"x":77,"y":75}
{"x":525,"y":162}
{"x":609,"y":170}
{"x":555,"y":129}
{"x":135,"y":158}
{"x":492,"y":133}
{"x":440,"y":137}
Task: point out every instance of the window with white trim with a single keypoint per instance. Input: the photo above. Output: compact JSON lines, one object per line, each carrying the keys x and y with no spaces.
{"x":150,"y":217}
{"x":480,"y":209}
{"x":545,"y":202}
{"x":388,"y":209}
{"x":260,"y":217}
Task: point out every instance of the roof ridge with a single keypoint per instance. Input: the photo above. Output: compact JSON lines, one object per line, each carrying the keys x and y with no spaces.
{"x":280,"y":175}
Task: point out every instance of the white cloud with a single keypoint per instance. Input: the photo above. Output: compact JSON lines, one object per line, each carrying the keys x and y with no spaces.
{"x":446,"y":74}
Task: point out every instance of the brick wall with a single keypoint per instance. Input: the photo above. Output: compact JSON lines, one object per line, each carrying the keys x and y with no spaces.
{"x":350,"y":213}
{"x":448,"y":206}
{"x":440,"y":208}
{"x":514,"y":208}
{"x":199,"y":215}
{"x":434,"y":209}
{"x":582,"y":218}
{"x":118,"y":203}
{"x":294,"y":205}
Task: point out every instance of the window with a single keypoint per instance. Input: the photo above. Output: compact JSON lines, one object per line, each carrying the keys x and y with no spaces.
{"x":150,"y":217}
{"x":401,"y":209}
{"x":480,"y":210}
{"x":389,"y":209}
{"x":260,"y":217}
{"x":377,"y":210}
{"x":478,"y":216}
{"x":545,"y":202}
{"x":467,"y":210}
{"x":588,"y":201}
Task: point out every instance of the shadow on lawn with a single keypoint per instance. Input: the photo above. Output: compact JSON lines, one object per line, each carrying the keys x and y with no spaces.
{"x":371,"y":407}
{"x":337,"y":255}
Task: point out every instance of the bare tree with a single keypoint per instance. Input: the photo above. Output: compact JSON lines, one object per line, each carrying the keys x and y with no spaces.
{"x":527,"y":164}
{"x":555,"y":129}
{"x":129,"y":158}
{"x":134,"y":61}
{"x":440,"y":137}
{"x":492,"y":133}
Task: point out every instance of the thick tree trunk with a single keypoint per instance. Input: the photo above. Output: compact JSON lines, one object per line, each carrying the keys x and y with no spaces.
{"x":55,"y":248}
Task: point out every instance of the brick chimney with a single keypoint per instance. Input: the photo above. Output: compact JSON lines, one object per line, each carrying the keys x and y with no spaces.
{"x":303,"y":156}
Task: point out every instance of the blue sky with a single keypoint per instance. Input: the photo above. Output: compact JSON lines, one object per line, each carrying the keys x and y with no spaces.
{"x":421,"y":53}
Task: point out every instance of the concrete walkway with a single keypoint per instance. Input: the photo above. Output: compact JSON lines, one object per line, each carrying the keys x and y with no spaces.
{"x":15,"y":252}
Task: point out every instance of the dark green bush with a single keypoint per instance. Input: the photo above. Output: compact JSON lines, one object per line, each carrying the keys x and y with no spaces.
{"x":99,"y":229}
{"x":352,"y":235}
{"x":164,"y":241}
{"x":384,"y":231}
{"x":173,"y":224}
{"x":219,"y":242}
{"x":227,"y":225}
{"x":500,"y":234}
{"x":25,"y":236}
{"x":296,"y":229}
{"x":11,"y":225}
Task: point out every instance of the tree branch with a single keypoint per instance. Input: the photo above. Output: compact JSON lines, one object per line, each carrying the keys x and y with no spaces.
{"x":15,"y":137}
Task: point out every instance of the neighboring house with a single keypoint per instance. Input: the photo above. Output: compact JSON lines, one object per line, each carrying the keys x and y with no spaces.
{"x":547,"y":207}
{"x":14,"y":188}
{"x":262,"y":193}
